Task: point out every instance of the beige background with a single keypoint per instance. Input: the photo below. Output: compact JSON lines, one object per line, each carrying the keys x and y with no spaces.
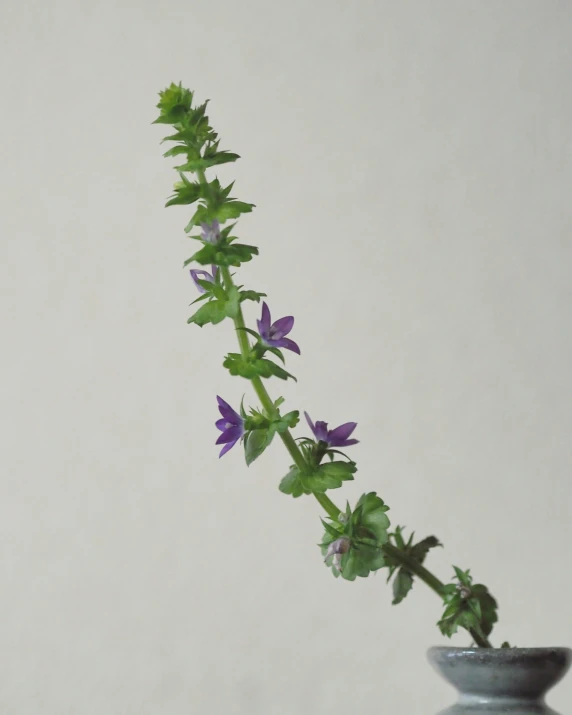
{"x":411,"y":163}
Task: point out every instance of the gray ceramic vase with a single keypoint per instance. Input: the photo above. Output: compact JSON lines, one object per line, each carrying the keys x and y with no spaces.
{"x":498,"y":681}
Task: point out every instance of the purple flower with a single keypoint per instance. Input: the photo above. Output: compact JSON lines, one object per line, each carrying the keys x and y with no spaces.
{"x":211,"y":232}
{"x":231,"y":425}
{"x":197,"y":275}
{"x":335,"y":437}
{"x":273,"y":335}
{"x":337,"y":549}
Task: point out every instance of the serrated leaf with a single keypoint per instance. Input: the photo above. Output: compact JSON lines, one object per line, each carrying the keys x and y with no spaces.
{"x":222,"y":157}
{"x":288,"y":421}
{"x":330,"y":475}
{"x":185,"y":193}
{"x":402,"y":584}
{"x":251,"y":295}
{"x":360,"y":562}
{"x":488,"y":606}
{"x":420,"y":550}
{"x":223,"y":255}
{"x":232,"y":209}
{"x":212,"y":312}
{"x":291,"y":484}
{"x":371,"y":516}
{"x":251,"y":367}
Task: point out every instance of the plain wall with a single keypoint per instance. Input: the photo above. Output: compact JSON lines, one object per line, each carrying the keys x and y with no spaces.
{"x":411,"y":163}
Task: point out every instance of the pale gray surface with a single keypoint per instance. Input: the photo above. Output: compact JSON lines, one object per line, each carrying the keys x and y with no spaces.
{"x":412,"y":164}
{"x":498,"y":681}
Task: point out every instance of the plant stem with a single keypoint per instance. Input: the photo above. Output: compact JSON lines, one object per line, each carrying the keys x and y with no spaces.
{"x":261,"y":392}
{"x":327,"y":504}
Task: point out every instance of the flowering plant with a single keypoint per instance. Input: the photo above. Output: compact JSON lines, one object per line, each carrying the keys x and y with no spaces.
{"x":358,"y":540}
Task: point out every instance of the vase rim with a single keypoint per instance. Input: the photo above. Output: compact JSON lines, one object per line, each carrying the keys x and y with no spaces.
{"x":533,"y":650}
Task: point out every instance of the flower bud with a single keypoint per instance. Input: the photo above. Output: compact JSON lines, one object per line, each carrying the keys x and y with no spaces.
{"x":337,"y":549}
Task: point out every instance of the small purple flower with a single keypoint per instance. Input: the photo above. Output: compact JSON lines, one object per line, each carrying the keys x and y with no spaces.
{"x":337,"y":549}
{"x":211,"y":232}
{"x":197,"y":276}
{"x":231,"y":425}
{"x":273,"y":334}
{"x":335,"y":437}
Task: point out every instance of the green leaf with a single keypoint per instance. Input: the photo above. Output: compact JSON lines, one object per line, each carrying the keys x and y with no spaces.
{"x":366,"y":531}
{"x":185,"y":193}
{"x":256,"y":442}
{"x":463,"y":576}
{"x":204,"y":296}
{"x":291,"y":484}
{"x":472,"y":607}
{"x":204,"y":256}
{"x":223,"y":255}
{"x":276,"y":351}
{"x":251,"y":295}
{"x":222,"y":157}
{"x":174,"y":103}
{"x":370,"y":515}
{"x":287,"y":421}
{"x":176,"y":150}
{"x":420,"y":550}
{"x":331,"y":531}
{"x":360,"y":561}
{"x":330,"y":475}
{"x":488,"y":606}
{"x":251,"y":367}
{"x":403,"y":581}
{"x":250,"y":332}
{"x":201,"y":215}
{"x":402,"y":584}
{"x":212,"y":312}
{"x":232,"y":209}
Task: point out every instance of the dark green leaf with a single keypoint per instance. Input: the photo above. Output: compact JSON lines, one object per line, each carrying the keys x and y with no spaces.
{"x":488,"y":606}
{"x":402,"y":584}
{"x":420,"y":550}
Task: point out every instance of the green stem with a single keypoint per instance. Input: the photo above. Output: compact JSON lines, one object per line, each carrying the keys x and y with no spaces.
{"x":327,"y":504}
{"x":415,"y":568}
{"x":257,"y":384}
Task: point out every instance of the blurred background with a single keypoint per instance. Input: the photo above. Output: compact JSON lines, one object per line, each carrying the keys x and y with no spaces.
{"x":411,"y":164}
